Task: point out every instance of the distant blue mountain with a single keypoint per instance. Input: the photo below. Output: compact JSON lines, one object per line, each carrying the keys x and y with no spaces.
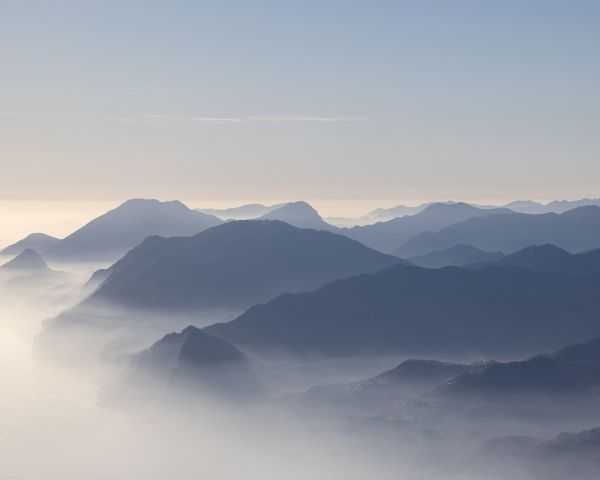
{"x":35,"y":241}
{"x":457,"y":256}
{"x":575,"y":230}
{"x":548,"y":258}
{"x":387,"y":236}
{"x":556,"y":206}
{"x":250,"y":211}
{"x":299,"y":214}
{"x":111,"y":235}
{"x":28,"y":261}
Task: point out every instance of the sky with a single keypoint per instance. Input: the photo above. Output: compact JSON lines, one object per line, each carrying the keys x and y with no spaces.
{"x":348,"y":104}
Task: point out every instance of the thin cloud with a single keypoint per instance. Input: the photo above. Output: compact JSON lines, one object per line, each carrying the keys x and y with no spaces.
{"x":275,"y":119}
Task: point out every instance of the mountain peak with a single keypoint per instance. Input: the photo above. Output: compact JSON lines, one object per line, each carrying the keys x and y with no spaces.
{"x":28,"y":261}
{"x":583,"y":211}
{"x":36,"y":241}
{"x":201,"y":348}
{"x":299,"y":207}
{"x":150,"y":203}
{"x":299,"y":214}
{"x":112,"y":234}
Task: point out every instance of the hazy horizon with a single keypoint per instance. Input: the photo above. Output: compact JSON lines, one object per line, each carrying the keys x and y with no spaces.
{"x":153,"y":341}
{"x":228,"y":102}
{"x":61,"y":217}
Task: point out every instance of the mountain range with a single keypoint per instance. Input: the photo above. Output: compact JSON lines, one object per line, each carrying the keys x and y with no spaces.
{"x":234,"y":265}
{"x":575,"y":230}
{"x":457,"y":256}
{"x":555,"y":206}
{"x":559,"y":389}
{"x":541,"y":258}
{"x":379,"y":394}
{"x":520,"y":206}
{"x":567,"y":455}
{"x":388,"y":236}
{"x":412,"y":310}
{"x":109,"y":236}
{"x":299,"y":214}
{"x":28,"y":261}
{"x":249,"y":211}
{"x":425,"y":393}
{"x":35,"y":241}
{"x":549,"y":258}
{"x":29,"y":272}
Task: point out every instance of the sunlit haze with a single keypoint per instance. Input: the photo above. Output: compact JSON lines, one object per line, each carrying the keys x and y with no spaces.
{"x":299,"y":240}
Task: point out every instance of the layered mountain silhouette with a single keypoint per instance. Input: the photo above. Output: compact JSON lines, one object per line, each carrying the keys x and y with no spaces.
{"x":243,"y":212}
{"x":381,"y":393}
{"x":234,"y":265}
{"x":568,"y":455}
{"x":191,"y":361}
{"x":35,"y":241}
{"x":560,"y":388}
{"x":556,"y":206}
{"x":520,"y":206}
{"x":412,"y":310}
{"x":548,"y":258}
{"x":457,"y":256}
{"x":570,"y":370}
{"x":111,"y":235}
{"x":28,"y":261}
{"x":29,"y":271}
{"x":575,"y":230}
{"x":299,"y":214}
{"x":385,"y":214}
{"x":387,"y":236}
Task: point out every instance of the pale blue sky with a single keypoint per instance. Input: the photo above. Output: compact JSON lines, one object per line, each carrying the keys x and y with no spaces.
{"x":341,"y":103}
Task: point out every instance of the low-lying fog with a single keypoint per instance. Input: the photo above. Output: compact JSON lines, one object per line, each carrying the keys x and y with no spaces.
{"x":53,"y":427}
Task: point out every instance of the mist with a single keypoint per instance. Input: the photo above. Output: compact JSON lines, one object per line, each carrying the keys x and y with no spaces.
{"x":69,"y":421}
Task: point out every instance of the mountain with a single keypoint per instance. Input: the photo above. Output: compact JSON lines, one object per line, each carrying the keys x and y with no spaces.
{"x":527,"y":206}
{"x":109,"y":236}
{"x":556,"y":206}
{"x":191,"y":361}
{"x":243,"y":212}
{"x":94,"y":281}
{"x":412,"y":310}
{"x":387,"y":236}
{"x":384,"y":214}
{"x":575,"y":230}
{"x":457,"y":256}
{"x":28,"y":272}
{"x":380,"y":394}
{"x":572,"y":369}
{"x":568,"y":455}
{"x":348,"y":222}
{"x":548,"y":258}
{"x":167,"y":283}
{"x":28,"y":261}
{"x":234,"y":265}
{"x":299,"y":214}
{"x":35,"y":241}
{"x":548,"y":391}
